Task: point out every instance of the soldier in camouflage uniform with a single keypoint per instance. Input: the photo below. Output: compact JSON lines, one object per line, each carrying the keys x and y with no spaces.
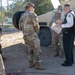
{"x":29,"y":25}
{"x":0,"y":40}
{"x":0,"y":44}
{"x":56,"y":38}
{"x":62,"y":14}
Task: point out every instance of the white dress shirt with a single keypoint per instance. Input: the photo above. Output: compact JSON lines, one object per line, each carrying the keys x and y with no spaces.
{"x":70,"y":20}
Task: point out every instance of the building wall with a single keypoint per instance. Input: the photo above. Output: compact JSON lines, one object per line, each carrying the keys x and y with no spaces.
{"x":72,"y":3}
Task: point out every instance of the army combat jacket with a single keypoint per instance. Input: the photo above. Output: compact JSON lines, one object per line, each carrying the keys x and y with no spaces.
{"x":28,"y":22}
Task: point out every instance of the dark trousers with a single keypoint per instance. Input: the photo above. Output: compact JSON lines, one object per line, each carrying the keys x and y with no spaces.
{"x":68,"y":43}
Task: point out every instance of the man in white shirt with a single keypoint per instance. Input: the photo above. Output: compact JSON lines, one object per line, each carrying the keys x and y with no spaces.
{"x":68,"y":35}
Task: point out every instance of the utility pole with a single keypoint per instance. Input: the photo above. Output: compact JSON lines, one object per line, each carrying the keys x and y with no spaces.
{"x":1,"y":14}
{"x":7,"y":5}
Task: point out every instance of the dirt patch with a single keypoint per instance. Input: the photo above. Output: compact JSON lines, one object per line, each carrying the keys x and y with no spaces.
{"x":9,"y":39}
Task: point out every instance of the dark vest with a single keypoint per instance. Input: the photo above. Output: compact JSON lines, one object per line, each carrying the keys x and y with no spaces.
{"x":69,"y":30}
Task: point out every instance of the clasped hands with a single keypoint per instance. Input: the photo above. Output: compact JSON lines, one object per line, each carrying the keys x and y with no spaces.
{"x":58,"y":23}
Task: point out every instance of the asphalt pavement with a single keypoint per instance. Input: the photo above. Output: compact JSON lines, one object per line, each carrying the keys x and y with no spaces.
{"x":17,"y":62}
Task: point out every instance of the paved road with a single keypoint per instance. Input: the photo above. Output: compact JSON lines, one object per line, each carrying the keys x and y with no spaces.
{"x":17,"y":62}
{"x":14,"y":51}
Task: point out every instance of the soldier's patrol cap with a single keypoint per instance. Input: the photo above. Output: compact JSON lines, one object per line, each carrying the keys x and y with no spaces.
{"x":57,"y":12}
{"x":28,"y":4}
{"x":60,"y":7}
{"x":67,"y":5}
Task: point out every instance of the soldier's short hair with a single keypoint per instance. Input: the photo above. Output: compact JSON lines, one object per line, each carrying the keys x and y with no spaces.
{"x":67,"y":5}
{"x":28,"y":4}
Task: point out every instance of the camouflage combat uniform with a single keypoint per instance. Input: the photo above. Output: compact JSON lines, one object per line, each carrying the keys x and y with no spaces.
{"x":0,"y":41}
{"x":30,"y":21}
{"x":56,"y":39}
{"x":29,"y":25}
{"x":1,"y":45}
{"x":0,"y":49}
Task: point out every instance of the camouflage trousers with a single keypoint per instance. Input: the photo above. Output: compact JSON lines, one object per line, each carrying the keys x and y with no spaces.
{"x":33,"y":45}
{"x":0,"y":49}
{"x":57,"y":42}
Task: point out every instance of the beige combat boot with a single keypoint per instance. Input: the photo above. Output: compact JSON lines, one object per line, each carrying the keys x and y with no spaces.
{"x":31,"y":64}
{"x":39,"y":66}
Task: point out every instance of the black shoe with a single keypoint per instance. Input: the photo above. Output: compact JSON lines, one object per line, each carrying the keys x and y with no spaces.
{"x":66,"y":64}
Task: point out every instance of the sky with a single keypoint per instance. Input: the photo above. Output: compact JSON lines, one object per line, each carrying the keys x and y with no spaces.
{"x":54,"y":2}
{"x":4,"y":2}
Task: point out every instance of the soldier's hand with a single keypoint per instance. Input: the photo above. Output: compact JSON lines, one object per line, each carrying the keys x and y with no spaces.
{"x":58,"y":26}
{"x":36,"y":28}
{"x":59,"y":22}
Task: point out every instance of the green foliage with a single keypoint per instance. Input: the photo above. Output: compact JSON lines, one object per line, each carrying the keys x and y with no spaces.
{"x":1,"y":15}
{"x":17,"y":6}
{"x":14,"y":7}
{"x":42,"y":6}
